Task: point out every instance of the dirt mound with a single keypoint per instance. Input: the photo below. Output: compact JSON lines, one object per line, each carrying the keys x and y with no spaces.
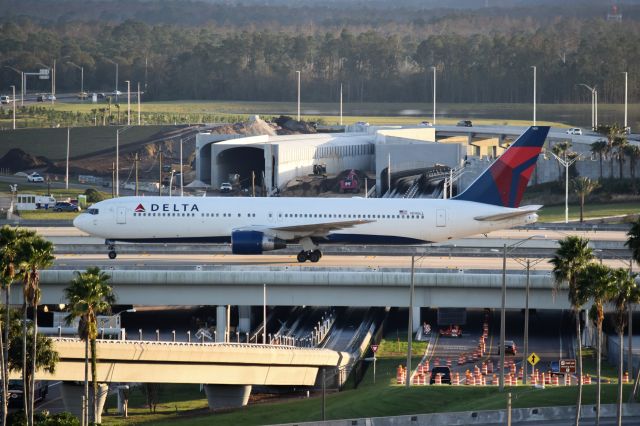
{"x":17,"y":160}
{"x":254,"y":127}
{"x":289,"y":126}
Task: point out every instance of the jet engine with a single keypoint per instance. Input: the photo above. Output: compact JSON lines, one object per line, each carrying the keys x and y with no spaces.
{"x":254,"y":242}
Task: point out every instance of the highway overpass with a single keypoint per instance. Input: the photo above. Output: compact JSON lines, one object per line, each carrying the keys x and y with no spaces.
{"x":318,"y":286}
{"x":227,"y":370}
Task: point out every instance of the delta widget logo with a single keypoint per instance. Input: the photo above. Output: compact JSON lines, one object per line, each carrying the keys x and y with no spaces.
{"x":140,"y":209}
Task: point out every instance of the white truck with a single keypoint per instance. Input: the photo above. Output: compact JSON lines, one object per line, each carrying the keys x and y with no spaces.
{"x":34,"y":202}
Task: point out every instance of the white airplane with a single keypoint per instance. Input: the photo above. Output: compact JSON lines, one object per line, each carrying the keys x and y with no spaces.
{"x":256,"y":225}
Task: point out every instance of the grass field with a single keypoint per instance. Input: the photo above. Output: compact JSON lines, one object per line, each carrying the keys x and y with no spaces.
{"x":556,"y":213}
{"x":185,"y":405}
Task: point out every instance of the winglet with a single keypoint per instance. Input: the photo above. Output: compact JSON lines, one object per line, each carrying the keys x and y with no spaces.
{"x":504,"y":182}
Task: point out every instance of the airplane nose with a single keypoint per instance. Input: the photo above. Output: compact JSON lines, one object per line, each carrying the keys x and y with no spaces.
{"x":80,"y":222}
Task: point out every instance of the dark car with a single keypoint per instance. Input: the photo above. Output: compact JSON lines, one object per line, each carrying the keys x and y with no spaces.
{"x":464,"y":123}
{"x":446,"y":375}
{"x":16,"y":392}
{"x":510,"y":348}
{"x":63,"y":206}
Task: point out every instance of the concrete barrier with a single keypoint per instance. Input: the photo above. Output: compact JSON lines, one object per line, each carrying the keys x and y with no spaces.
{"x":519,"y":415}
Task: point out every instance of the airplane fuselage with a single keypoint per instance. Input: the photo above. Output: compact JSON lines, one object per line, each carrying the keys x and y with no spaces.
{"x":213,"y":219}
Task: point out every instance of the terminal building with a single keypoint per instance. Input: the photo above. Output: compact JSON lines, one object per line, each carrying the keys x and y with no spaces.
{"x":272,"y":162}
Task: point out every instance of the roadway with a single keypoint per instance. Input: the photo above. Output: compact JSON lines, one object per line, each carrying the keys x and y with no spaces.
{"x":182,"y":261}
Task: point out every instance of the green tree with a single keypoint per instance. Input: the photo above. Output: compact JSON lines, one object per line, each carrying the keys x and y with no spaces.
{"x":595,"y":282}
{"x":611,"y":132}
{"x":626,"y":293}
{"x":571,"y":257}
{"x":35,"y":254}
{"x":88,"y":295}
{"x":633,"y":152}
{"x":45,"y":357}
{"x":620,"y":144}
{"x":599,"y":148}
{"x":633,"y":240}
{"x":9,"y":261}
{"x":583,"y":187}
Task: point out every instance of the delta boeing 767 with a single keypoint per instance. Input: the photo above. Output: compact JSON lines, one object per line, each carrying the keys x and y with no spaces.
{"x":256,"y":225}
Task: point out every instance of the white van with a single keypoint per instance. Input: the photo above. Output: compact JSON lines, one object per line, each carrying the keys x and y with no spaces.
{"x":5,"y":99}
{"x":34,"y":202}
{"x":575,"y":131}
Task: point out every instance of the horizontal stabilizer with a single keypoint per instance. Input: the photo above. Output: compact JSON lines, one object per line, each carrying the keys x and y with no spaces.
{"x":522,"y":211}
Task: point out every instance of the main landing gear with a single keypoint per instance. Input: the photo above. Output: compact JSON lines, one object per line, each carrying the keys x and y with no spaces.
{"x":311,"y":255}
{"x":111,"y":246}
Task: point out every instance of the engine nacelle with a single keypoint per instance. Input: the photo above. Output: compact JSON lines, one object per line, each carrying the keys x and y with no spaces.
{"x":254,"y":242}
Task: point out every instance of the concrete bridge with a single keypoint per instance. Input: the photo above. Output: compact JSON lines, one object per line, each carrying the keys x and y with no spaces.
{"x":297,"y":286}
{"x":228,"y":370}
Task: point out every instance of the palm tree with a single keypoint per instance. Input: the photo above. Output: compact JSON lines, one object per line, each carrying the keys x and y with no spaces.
{"x":583,"y":186}
{"x":88,"y":295}
{"x":620,"y":143}
{"x":610,"y":132}
{"x":633,"y":242}
{"x":626,"y":293}
{"x":9,"y":238}
{"x":633,"y":152}
{"x":600,"y":149}
{"x":36,"y":253}
{"x":595,"y":282}
{"x":573,"y":255}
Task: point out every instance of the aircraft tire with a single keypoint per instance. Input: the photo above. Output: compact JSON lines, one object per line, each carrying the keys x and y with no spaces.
{"x":315,"y":256}
{"x":112,"y":254}
{"x":302,"y":257}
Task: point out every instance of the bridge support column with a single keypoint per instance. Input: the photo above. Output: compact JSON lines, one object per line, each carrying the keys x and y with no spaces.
{"x":244,"y":322}
{"x":227,"y":396}
{"x":72,"y":399}
{"x":221,"y":323}
{"x":416,"y":321}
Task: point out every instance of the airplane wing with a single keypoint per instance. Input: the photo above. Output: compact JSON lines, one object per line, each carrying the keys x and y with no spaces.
{"x":511,"y":214}
{"x":307,"y":230}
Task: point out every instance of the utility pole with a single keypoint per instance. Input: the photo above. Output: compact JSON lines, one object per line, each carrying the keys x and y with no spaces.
{"x":136,"y":160}
{"x":526,"y":325}
{"x":298,"y":72}
{"x":625,"y":99}
{"x":138,"y":103}
{"x":66,"y":179}
{"x":503,"y":315}
{"x":410,"y":324}
{"x":434,"y":95}
{"x":113,"y":179}
{"x":128,"y":102}
{"x":13,"y":88}
{"x":341,"y":104}
{"x":181,"y":172}
{"x":534,"y":95}
{"x":160,"y":178}
{"x":566,"y":163}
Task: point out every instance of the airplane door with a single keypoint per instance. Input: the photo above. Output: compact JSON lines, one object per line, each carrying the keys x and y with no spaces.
{"x":441,"y":217}
{"x":121,"y":215}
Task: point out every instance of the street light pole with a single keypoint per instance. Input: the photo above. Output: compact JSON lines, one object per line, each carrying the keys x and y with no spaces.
{"x":594,"y":105}
{"x":625,"y":98}
{"x":534,"y":95}
{"x":410,"y":324}
{"x":181,"y":172}
{"x":566,"y":163}
{"x":128,"y":102}
{"x":22,"y":80}
{"x":264,"y":314}
{"x":503,"y":315}
{"x":434,"y":95}
{"x":341,"y":104}
{"x":13,"y":88}
{"x":81,"y":78}
{"x":526,"y":325}
{"x":138,"y":103}
{"x":298,"y":72}
{"x":66,"y":179}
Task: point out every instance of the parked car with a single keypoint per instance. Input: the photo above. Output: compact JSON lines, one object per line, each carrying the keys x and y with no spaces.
{"x":50,"y":97}
{"x":425,"y":124}
{"x":16,"y":394}
{"x":362,"y":123}
{"x":40,"y":98}
{"x":464,"y":123}
{"x":63,"y":206}
{"x":5,"y":99}
{"x":226,"y":187}
{"x":101,"y":95}
{"x":35,"y":177}
{"x":446,"y":375}
{"x":510,"y":348}
{"x":574,"y":131}
{"x":451,"y":331}
{"x":83,"y":95}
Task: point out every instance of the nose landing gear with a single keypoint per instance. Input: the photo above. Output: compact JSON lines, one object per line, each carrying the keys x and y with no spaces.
{"x":111,"y":246}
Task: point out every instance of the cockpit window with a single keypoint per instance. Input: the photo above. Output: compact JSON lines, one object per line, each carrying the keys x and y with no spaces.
{"x":92,"y":211}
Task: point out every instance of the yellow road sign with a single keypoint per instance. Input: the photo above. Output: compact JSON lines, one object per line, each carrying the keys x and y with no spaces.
{"x":533,"y":358}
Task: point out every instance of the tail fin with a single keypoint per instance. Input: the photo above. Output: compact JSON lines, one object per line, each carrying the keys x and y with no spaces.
{"x":504,"y":182}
